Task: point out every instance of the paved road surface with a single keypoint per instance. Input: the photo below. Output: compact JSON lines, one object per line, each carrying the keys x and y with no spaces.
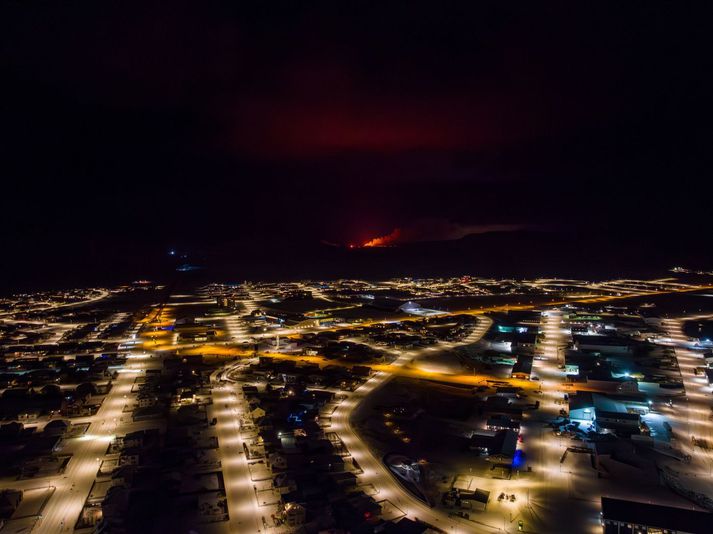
{"x":374,"y":470}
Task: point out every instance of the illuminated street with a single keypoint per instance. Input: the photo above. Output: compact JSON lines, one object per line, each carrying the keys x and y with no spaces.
{"x":374,"y":471}
{"x":375,"y":268}
{"x":252,"y":358}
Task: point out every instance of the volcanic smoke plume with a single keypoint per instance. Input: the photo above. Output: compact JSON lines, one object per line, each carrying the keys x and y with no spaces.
{"x":437,"y":230}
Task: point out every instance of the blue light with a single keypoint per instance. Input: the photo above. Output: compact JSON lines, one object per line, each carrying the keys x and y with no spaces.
{"x":186,"y":267}
{"x":294,"y":418}
{"x":518,"y":461}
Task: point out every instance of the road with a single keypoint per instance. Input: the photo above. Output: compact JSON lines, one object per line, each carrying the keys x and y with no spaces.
{"x":229,"y":350}
{"x":242,"y":503}
{"x":695,"y":420}
{"x":102,"y":294}
{"x":375,"y":472}
{"x":74,"y":485}
{"x":76,"y":482}
{"x":245,"y":514}
{"x":471,"y":379}
{"x":555,"y":482}
{"x":543,"y":449}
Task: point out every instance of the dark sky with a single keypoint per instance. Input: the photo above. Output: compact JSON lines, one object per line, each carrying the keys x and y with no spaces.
{"x":135,"y":128}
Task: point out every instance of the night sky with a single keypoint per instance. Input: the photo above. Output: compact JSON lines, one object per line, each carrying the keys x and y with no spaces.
{"x":259,"y":134}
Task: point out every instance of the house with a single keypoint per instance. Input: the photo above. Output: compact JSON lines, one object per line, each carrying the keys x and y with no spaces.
{"x":56,"y":427}
{"x":147,"y":401}
{"x":130,"y":457}
{"x":278,"y":460}
{"x":578,"y":363}
{"x":249,"y":390}
{"x":510,"y":392}
{"x":497,"y":444}
{"x":187,"y":397}
{"x":522,"y":368}
{"x":295,"y":514}
{"x":142,"y":438}
{"x":9,"y":501}
{"x":502,"y":422}
{"x":581,"y":406}
{"x":284,"y":483}
{"x":525,"y":341}
{"x":619,"y":422}
{"x":619,"y":413}
{"x":606,"y":344}
{"x":497,"y":341}
{"x":600,"y":377}
{"x":345,"y":480}
{"x":257,"y":413}
{"x":407,"y":526}
{"x":621,"y":516}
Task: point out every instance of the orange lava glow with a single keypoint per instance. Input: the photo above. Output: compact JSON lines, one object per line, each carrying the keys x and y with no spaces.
{"x":385,"y":240}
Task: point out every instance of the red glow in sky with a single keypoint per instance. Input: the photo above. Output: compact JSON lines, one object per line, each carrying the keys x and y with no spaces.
{"x":385,"y":240}
{"x":434,"y":229}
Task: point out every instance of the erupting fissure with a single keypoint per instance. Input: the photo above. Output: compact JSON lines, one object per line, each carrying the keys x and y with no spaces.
{"x":385,"y":240}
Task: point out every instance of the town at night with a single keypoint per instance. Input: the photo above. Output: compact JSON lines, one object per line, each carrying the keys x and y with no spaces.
{"x":356,"y":268}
